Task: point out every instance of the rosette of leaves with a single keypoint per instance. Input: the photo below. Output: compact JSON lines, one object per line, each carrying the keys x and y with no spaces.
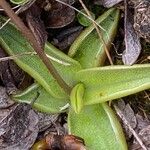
{"x":92,"y":83}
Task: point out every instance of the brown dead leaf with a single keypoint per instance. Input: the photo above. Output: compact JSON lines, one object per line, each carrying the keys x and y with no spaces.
{"x":65,"y":38}
{"x":132,"y":40}
{"x":36,"y":25}
{"x":22,"y":79}
{"x":142,"y":19}
{"x":129,"y":115}
{"x":143,"y":129}
{"x":5,"y":100}
{"x":46,"y":120}
{"x":59,"y":14}
{"x":6,"y":75}
{"x":61,"y":142}
{"x":18,"y":128}
{"x":107,"y":3}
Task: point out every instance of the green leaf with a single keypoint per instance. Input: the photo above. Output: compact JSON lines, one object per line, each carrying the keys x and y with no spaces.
{"x":88,"y":48}
{"x":76,"y":97}
{"x":51,"y":97}
{"x":41,"y":100}
{"x":14,"y":43}
{"x":84,"y":20}
{"x":98,"y":126}
{"x":19,"y":1}
{"x":112,"y":82}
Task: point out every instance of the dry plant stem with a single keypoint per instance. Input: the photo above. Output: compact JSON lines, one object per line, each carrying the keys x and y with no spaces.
{"x":13,"y":57}
{"x":12,"y":8}
{"x":22,"y":8}
{"x":98,"y":31}
{"x":3,"y":25}
{"x":26,"y":32}
{"x":121,"y":115}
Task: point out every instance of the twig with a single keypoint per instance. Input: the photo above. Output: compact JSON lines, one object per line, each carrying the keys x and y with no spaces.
{"x":26,"y":32}
{"x":8,"y":20}
{"x":12,"y":8}
{"x":16,"y":56}
{"x":98,"y":31}
{"x":123,"y":118}
{"x":21,"y":9}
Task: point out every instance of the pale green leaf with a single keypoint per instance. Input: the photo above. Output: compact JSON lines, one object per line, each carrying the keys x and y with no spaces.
{"x":98,"y":126}
{"x":14,"y":43}
{"x":107,"y":83}
{"x":19,"y":1}
{"x":88,"y":49}
{"x":84,"y":20}
{"x":41,"y":100}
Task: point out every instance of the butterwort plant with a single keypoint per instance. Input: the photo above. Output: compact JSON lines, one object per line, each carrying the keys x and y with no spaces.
{"x":92,"y":83}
